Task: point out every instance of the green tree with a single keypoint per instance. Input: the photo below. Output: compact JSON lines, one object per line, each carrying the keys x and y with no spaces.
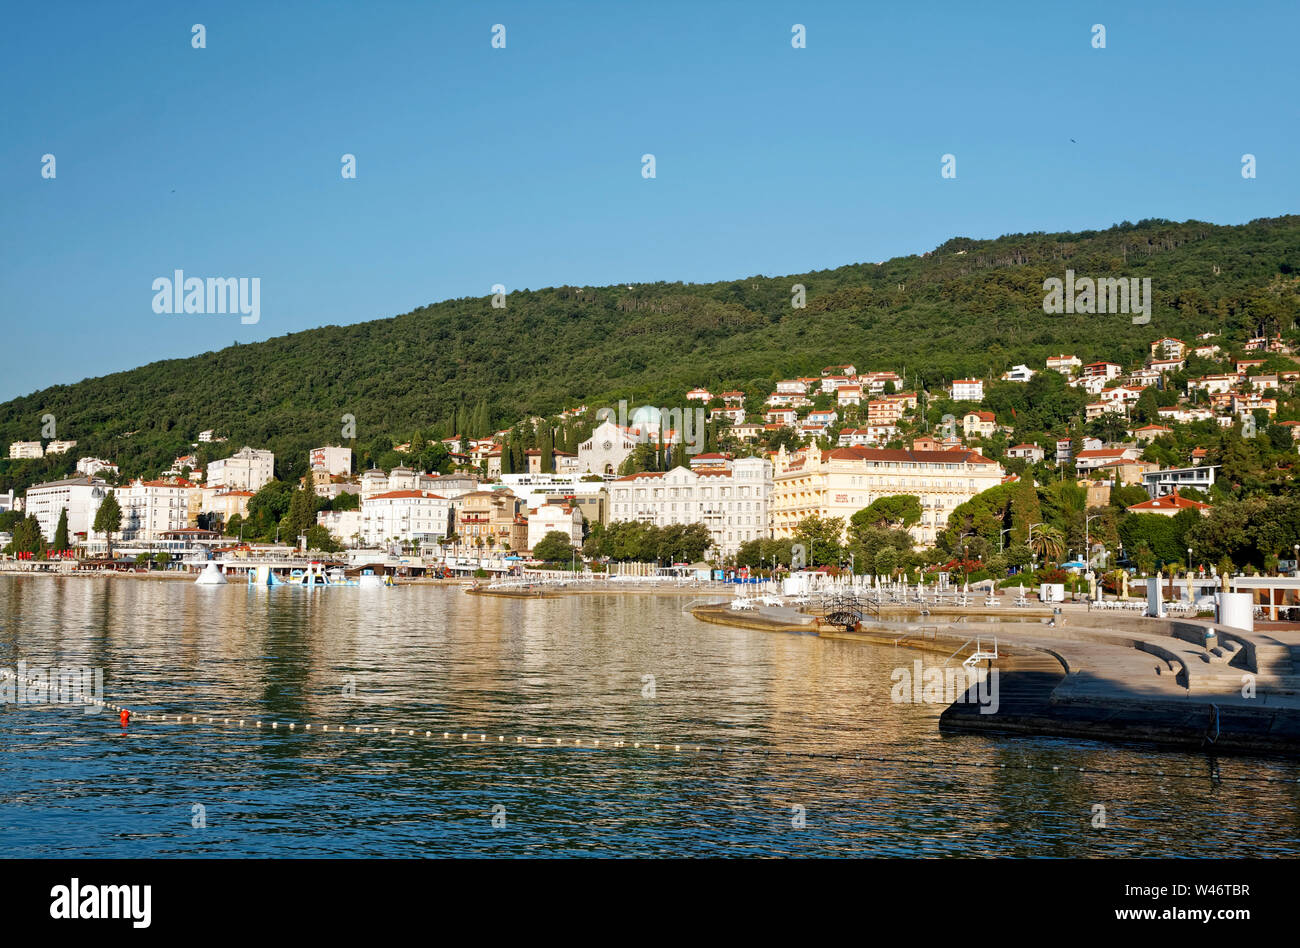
{"x":108,"y":519}
{"x":319,"y":538}
{"x":894,"y":511}
{"x":554,"y":547}
{"x":1047,"y":542}
{"x":27,"y":537}
{"x":821,"y":539}
{"x":61,"y":532}
{"x":300,"y":517}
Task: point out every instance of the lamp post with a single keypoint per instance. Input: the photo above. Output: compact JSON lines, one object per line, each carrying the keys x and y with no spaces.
{"x":1297,"y":559}
{"x":1087,"y":544}
{"x":1002,"y":539}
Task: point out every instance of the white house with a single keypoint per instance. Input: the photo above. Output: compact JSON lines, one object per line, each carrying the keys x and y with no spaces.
{"x":549,"y":518}
{"x":1018,"y":373}
{"x":92,"y":466}
{"x":968,"y":390}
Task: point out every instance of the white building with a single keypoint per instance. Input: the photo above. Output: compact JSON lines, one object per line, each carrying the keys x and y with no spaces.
{"x":968,"y":390}
{"x":80,"y":496}
{"x":60,"y":447}
{"x":1029,"y":452}
{"x":554,"y":517}
{"x":25,"y":449}
{"x":207,"y":437}
{"x":533,"y":489}
{"x":1018,"y":373}
{"x":92,"y":466}
{"x":343,"y":525}
{"x":247,"y":469}
{"x":732,"y":504}
{"x":1065,"y":364}
{"x":405,"y":516}
{"x":607,"y":448}
{"x":332,"y":460}
{"x":152,"y":508}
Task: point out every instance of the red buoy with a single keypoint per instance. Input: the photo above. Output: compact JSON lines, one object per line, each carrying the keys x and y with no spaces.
{"x":125,"y":717}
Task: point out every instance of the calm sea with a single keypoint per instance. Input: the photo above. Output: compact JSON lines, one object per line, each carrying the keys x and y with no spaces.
{"x":608,"y":668}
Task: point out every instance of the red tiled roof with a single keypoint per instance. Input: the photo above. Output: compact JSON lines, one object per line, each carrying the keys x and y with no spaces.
{"x":1170,"y":501}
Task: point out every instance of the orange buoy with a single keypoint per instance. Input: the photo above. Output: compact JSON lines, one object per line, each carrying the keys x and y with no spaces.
{"x":125,"y":717}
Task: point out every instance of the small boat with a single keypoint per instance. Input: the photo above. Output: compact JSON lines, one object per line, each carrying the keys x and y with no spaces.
{"x":211,"y":576}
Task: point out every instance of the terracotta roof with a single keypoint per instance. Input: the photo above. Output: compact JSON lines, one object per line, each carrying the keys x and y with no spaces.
{"x":1170,"y":502}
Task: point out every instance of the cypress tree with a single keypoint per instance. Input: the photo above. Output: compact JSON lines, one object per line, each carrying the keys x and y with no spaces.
{"x":547,"y":446}
{"x":61,"y":531}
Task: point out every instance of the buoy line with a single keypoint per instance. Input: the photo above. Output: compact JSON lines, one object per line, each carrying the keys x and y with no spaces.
{"x":713,"y":751}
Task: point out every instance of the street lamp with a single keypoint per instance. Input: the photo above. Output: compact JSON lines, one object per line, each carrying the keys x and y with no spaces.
{"x":1087,"y":545}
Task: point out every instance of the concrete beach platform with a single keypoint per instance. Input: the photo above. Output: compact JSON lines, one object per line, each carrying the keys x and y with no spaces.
{"x":1102,"y":676}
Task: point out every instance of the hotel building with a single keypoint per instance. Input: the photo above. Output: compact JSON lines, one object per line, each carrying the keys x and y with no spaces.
{"x":733,"y":503}
{"x":842,"y":481}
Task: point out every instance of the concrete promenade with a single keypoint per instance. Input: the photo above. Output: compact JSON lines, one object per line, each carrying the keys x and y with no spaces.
{"x":1103,"y":675}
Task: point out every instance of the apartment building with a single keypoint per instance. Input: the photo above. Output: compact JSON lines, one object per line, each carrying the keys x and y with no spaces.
{"x":842,"y":481}
{"x":247,"y":469}
{"x":492,"y":519}
{"x":968,"y":390}
{"x":732,"y":504}
{"x":80,"y":496}
{"x":152,"y":508}
{"x":335,"y":461}
{"x":25,"y":449}
{"x":404,"y":516}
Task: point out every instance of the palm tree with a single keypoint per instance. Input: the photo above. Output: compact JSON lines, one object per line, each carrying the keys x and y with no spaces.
{"x":1047,"y":542}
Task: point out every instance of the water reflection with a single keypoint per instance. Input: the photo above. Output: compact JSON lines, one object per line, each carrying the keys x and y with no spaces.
{"x":434,"y":658}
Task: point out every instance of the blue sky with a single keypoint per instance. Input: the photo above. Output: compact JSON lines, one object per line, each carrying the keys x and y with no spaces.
{"x":522,"y":165}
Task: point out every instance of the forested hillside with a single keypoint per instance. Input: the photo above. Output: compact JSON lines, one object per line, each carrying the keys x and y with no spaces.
{"x":968,"y":308}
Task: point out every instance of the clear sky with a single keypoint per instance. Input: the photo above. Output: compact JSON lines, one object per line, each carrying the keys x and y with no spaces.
{"x":522,"y":166}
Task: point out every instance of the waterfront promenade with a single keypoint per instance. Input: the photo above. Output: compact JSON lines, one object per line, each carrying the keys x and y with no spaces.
{"x":1190,"y":683}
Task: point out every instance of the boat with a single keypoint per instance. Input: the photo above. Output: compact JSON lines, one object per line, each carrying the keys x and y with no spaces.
{"x":211,"y":576}
{"x":369,"y":580}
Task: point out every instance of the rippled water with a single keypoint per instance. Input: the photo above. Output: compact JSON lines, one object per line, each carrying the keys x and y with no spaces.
{"x":433,"y":658}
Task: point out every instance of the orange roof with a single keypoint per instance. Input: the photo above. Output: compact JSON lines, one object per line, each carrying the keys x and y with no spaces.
{"x":1170,"y":502}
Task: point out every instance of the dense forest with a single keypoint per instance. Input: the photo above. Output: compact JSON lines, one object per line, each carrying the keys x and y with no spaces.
{"x":969,"y":308}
